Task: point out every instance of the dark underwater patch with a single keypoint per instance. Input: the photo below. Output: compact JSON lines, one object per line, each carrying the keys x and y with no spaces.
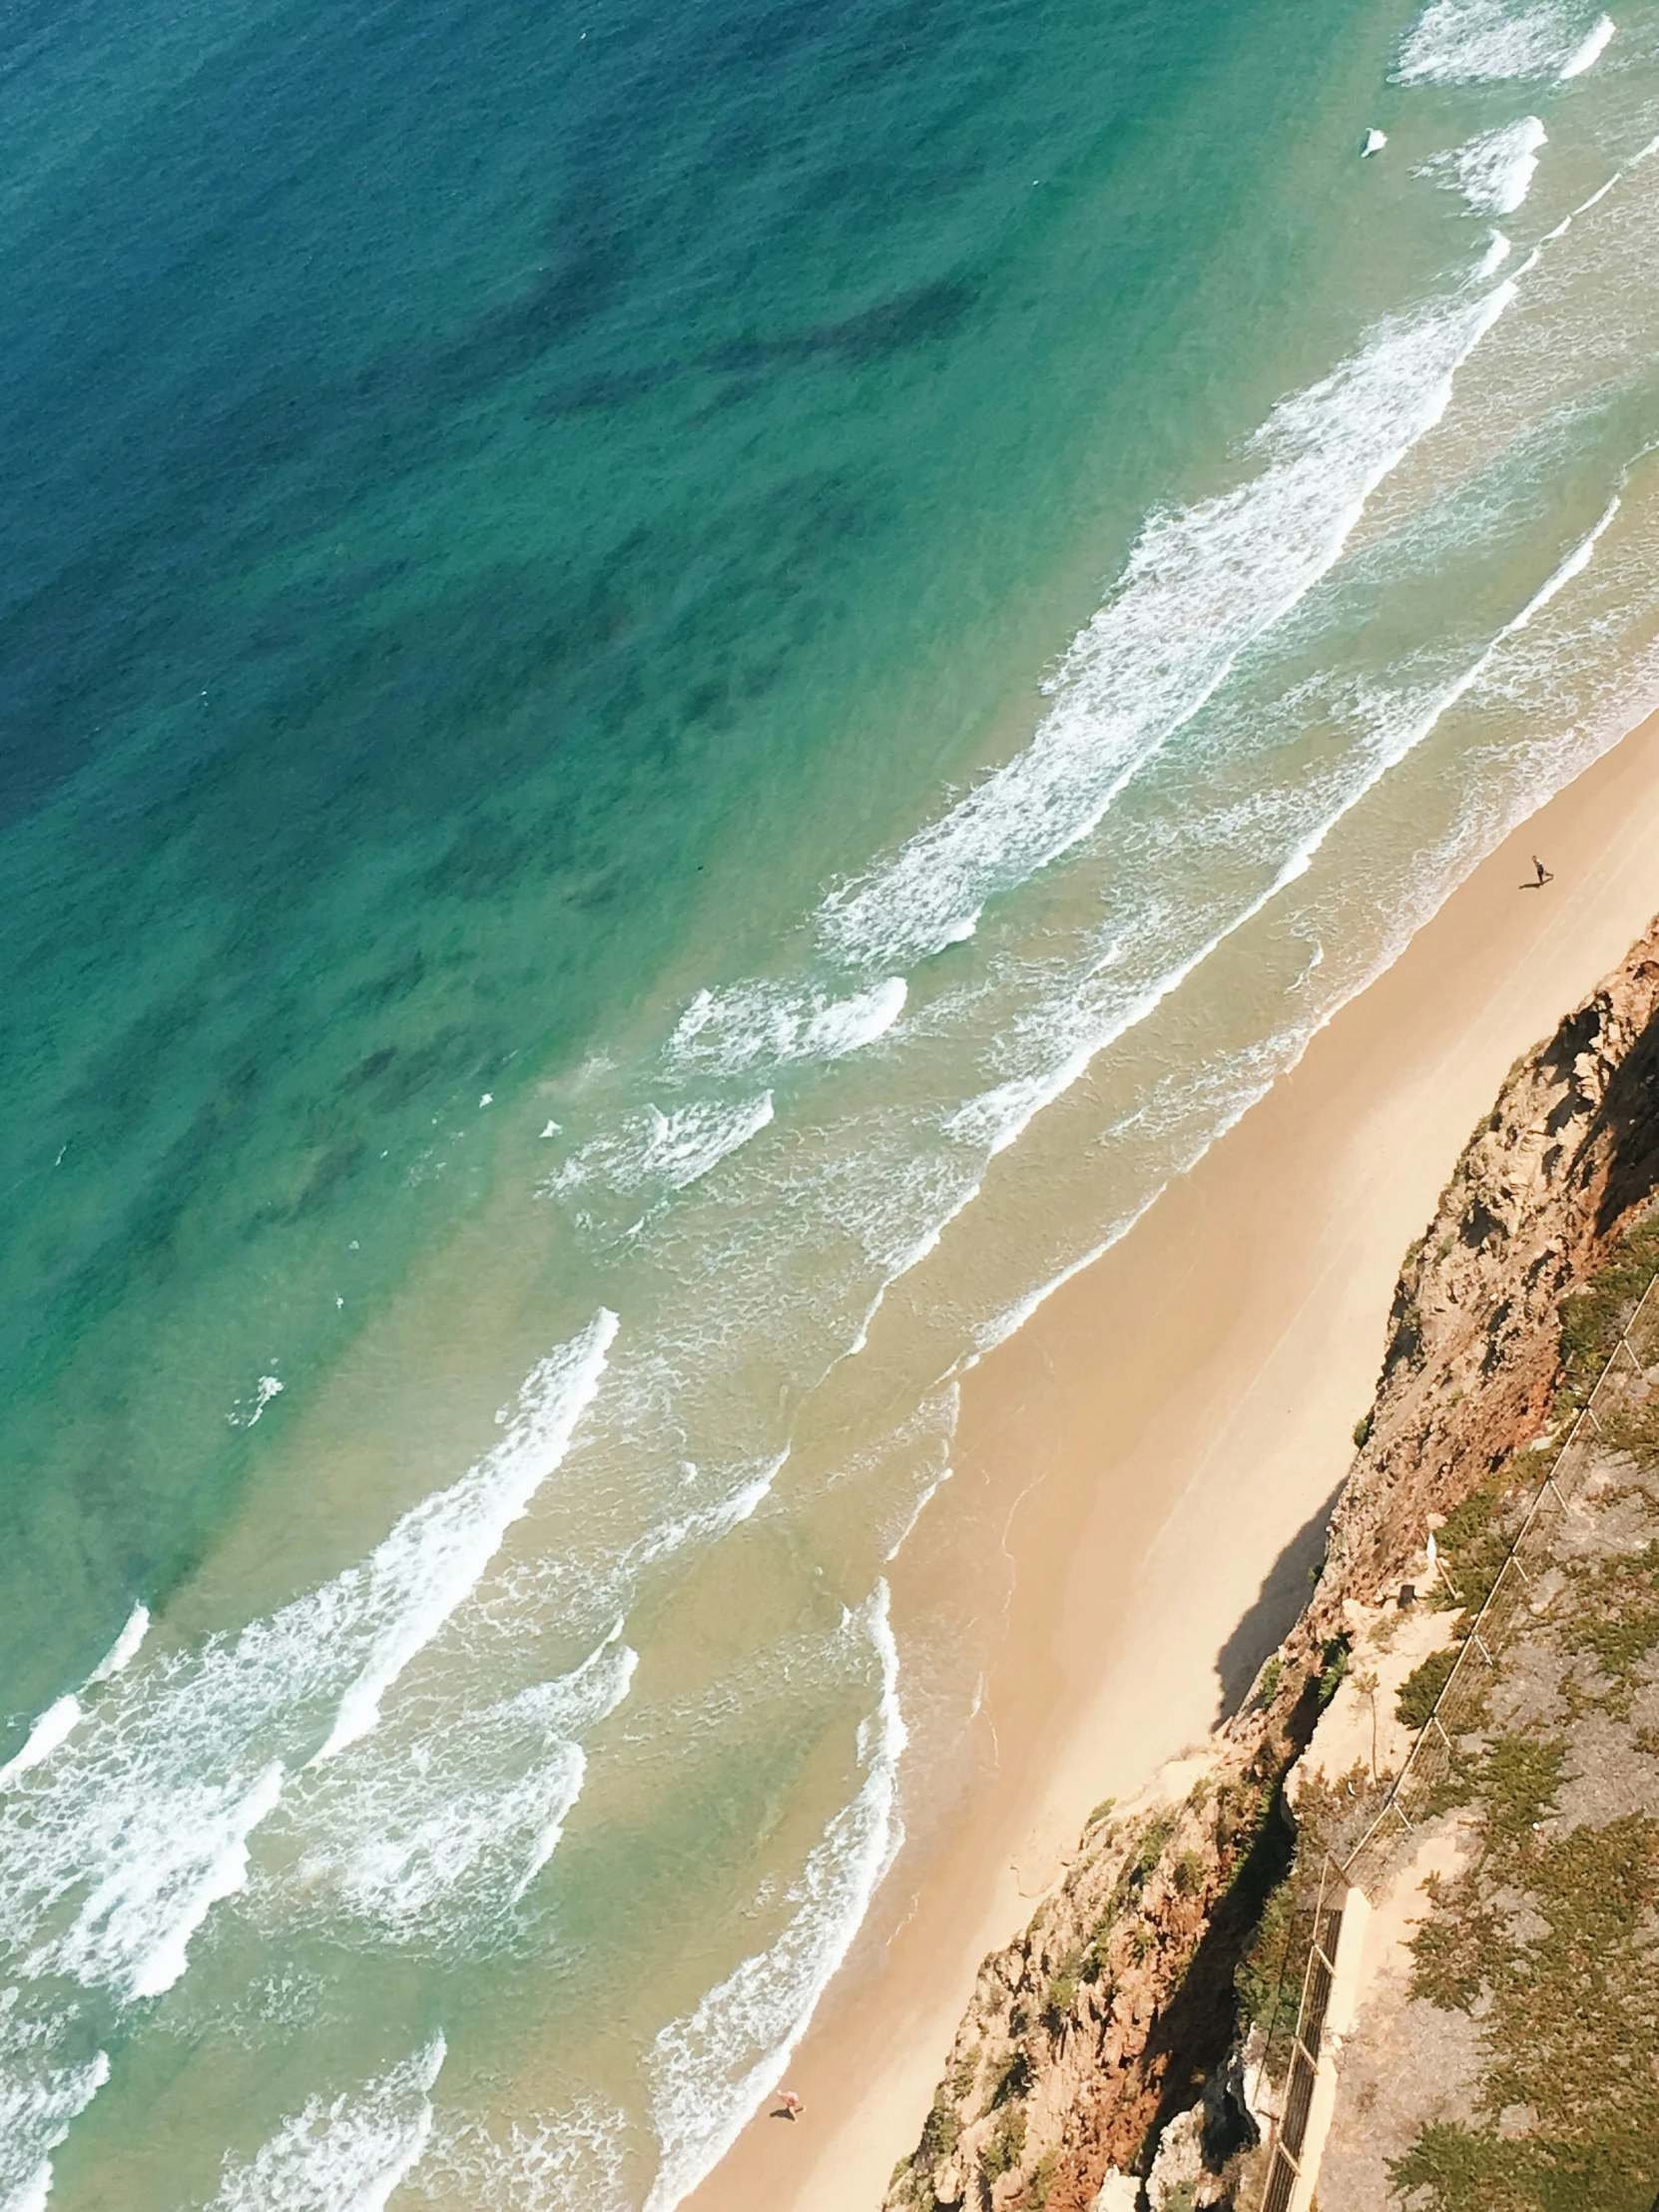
{"x":911,"y":318}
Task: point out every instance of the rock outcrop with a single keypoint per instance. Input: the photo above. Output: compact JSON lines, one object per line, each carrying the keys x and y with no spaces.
{"x":1113,"y":2016}
{"x":1568,"y":1155}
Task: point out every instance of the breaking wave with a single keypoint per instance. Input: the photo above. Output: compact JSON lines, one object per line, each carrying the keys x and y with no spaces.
{"x":132,"y":1817}
{"x":1202,"y":584}
{"x":345,"y":2156}
{"x":1476,"y":42}
{"x":711,"y":2071}
{"x":1493,"y":172}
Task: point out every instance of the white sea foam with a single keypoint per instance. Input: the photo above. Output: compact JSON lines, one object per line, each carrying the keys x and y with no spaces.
{"x":1077,"y":1025}
{"x":40,"y":2095}
{"x":135,"y":1928}
{"x":1591,"y":51}
{"x":125,"y":1649}
{"x":708,"y":1523}
{"x":243,"y":1416}
{"x":441,"y":1837}
{"x":711,"y":2071}
{"x":1599,"y":194}
{"x":572,"y":2163}
{"x":345,"y":2156}
{"x":139,"y":1822}
{"x":1398,"y":734}
{"x":753,"y":1024}
{"x":657,"y":1152}
{"x":56,"y":1723}
{"x":1401,"y":727}
{"x":1471,"y":42}
{"x":1494,"y":257}
{"x":1201,"y":583}
{"x":1493,"y":172}
{"x":52,"y":1728}
{"x":433,"y":1557}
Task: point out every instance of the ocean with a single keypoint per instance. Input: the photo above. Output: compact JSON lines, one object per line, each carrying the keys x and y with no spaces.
{"x":687,"y":695}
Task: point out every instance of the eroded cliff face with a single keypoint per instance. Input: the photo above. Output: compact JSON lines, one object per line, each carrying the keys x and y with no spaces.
{"x":1094,"y":2029}
{"x":1567,"y":1157}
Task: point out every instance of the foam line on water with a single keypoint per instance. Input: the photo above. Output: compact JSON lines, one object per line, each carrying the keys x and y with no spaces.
{"x":656,"y":1153}
{"x":188,"y":1896}
{"x":1494,"y":170}
{"x":348,"y":2155}
{"x":436,"y":1554}
{"x":52,"y":1729}
{"x":1584,"y":205}
{"x":1405,"y":740}
{"x":125,"y":1649}
{"x":40,"y":2096}
{"x":1476,"y":42}
{"x":709,"y":1522}
{"x":1496,"y":254}
{"x":1212,"y":577}
{"x":1393,"y":747}
{"x":1397,"y":743}
{"x":711,"y":2071}
{"x":999,"y":1117}
{"x":117,"y":1843}
{"x":572,"y":2162}
{"x":772,"y":1024}
{"x":54,"y":1724}
{"x":1595,"y":46}
{"x":438,"y":1838}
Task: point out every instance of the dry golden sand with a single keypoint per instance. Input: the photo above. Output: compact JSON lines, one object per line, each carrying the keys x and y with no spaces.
{"x":1180,"y":1411}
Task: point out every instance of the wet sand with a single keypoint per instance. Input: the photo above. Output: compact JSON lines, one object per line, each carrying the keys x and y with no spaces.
{"x":1180,"y":1415}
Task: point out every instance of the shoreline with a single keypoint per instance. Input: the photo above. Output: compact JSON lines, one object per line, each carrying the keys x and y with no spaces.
{"x":1181,"y":1414}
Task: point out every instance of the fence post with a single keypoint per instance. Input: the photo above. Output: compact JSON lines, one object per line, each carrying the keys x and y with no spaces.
{"x":1284,"y":2160}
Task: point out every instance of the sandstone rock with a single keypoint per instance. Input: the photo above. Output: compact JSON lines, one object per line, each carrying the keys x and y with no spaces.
{"x":1120,"y":1990}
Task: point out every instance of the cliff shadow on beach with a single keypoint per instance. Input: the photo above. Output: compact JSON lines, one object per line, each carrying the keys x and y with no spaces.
{"x":1279,"y":1605}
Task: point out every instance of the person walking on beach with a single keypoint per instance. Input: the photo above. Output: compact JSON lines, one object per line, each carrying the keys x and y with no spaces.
{"x":790,"y":2105}
{"x":1543,"y":875}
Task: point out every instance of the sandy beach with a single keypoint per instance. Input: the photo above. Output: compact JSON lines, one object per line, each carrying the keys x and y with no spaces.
{"x":1182,"y":1413}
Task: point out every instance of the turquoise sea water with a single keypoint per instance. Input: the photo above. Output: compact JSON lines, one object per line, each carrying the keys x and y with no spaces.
{"x":685,"y":697}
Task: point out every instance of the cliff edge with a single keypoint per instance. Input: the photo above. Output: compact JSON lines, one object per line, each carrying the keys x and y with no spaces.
{"x":1109,"y":2041}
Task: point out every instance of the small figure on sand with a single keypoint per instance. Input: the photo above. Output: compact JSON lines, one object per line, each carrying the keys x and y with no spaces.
{"x":1540,"y":875}
{"x":789,"y":2107}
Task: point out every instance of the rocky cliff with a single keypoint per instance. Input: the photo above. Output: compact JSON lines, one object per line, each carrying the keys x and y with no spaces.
{"x":1111,"y":2026}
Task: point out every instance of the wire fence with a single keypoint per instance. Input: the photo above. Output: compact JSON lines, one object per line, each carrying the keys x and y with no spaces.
{"x":1416,"y":1791}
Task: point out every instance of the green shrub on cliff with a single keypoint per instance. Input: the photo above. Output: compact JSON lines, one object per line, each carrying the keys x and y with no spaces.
{"x":1262,"y":1964}
{"x":939,"y":2132}
{"x":1036,"y":2196}
{"x":1419,"y":1692}
{"x":1062,"y":1994}
{"x":1594,"y":1318}
{"x":1006,"y":2147}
